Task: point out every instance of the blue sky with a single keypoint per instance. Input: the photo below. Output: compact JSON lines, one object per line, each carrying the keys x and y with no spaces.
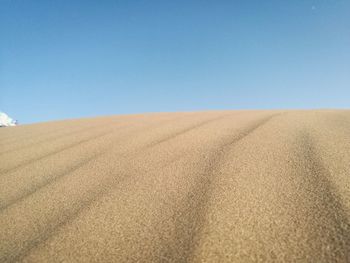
{"x":69,"y":59}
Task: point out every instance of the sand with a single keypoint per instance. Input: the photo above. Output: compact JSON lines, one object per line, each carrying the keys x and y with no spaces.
{"x":219,"y":186}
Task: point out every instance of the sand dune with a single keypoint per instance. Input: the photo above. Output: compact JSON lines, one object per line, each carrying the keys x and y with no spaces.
{"x":229,"y":186}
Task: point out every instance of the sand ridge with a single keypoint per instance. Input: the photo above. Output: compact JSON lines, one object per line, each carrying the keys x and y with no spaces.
{"x":216,"y":186}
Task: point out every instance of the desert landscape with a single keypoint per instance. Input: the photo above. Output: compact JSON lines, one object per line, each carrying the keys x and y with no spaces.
{"x":216,"y":186}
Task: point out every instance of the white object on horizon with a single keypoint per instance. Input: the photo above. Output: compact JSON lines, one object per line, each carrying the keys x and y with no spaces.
{"x":6,"y":121}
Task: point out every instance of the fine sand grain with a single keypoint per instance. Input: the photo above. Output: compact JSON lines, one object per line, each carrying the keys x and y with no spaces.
{"x":225,"y":186}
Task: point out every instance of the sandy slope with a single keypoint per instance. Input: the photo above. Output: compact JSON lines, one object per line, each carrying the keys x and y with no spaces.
{"x":231,"y":186}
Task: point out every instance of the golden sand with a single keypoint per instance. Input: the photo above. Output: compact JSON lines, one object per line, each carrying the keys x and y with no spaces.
{"x":225,"y":186}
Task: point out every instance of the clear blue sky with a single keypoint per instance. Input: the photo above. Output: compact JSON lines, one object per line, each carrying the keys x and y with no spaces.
{"x":68,"y":59}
